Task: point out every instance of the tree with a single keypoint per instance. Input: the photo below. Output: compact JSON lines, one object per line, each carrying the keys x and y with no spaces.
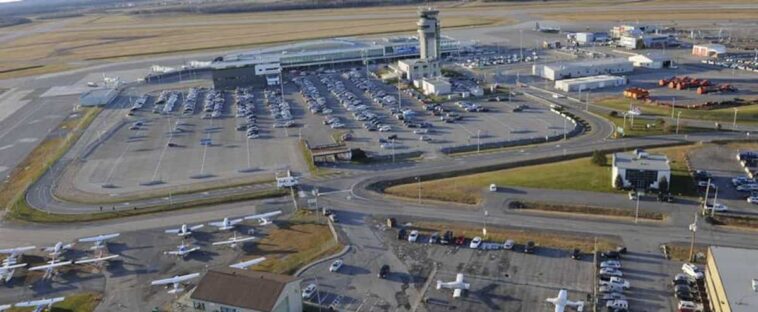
{"x":599,"y":158}
{"x":663,"y":184}
{"x":619,"y":182}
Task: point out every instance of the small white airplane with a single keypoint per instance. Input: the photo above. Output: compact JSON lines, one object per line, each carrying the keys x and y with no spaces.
{"x":99,"y":240}
{"x":57,"y":249}
{"x":234,"y":241}
{"x":7,"y":271}
{"x":176,"y":281}
{"x":264,"y":218}
{"x":95,"y":260}
{"x":226,"y":224}
{"x":246,"y":264}
{"x":50,"y":267}
{"x":39,"y":305}
{"x":457,"y":286}
{"x":182,"y":250}
{"x":4,"y":307}
{"x":184,"y":230}
{"x":561,"y":302}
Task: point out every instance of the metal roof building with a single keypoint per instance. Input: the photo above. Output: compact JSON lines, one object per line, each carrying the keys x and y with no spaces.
{"x":731,"y":279}
{"x":566,"y":70}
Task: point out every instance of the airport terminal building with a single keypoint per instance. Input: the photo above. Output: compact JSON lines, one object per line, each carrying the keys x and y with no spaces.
{"x":263,"y":66}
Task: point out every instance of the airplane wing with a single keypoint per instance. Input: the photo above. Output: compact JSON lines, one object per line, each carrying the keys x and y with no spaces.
{"x":90,"y":260}
{"x":175,"y":279}
{"x":234,"y":241}
{"x":196,"y":227}
{"x":12,"y":267}
{"x":216,"y":224}
{"x":99,"y":238}
{"x":235,"y":221}
{"x":173,"y":231}
{"x":16,"y":250}
{"x":51,"y":265}
{"x":245,"y":264}
{"x":38,"y":303}
{"x":264,"y":215}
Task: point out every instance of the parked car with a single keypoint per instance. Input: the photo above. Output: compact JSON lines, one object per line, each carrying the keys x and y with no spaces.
{"x":475,"y":242}
{"x":752,"y":199}
{"x":460,"y":240}
{"x":617,"y":305}
{"x":384,"y":271}
{"x":508,"y":244}
{"x":529,"y":247}
{"x":610,"y":289}
{"x":610,"y":264}
{"x":576,"y":254}
{"x":309,"y":291}
{"x":611,"y":255}
{"x":666,"y":197}
{"x":336,"y":265}
{"x":401,"y":234}
{"x":692,"y":270}
{"x":447,"y":238}
{"x":616,"y":281}
{"x":493,"y":188}
{"x":613,"y":296}
{"x":434,"y":238}
{"x":611,"y":272}
{"x":413,"y":236}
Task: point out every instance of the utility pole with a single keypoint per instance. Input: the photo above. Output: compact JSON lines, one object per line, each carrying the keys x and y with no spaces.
{"x":637,"y":209}
{"x":734,"y":122}
{"x":707,"y":190}
{"x":715,"y":197}
{"x":478,"y":139}
{"x":693,"y":229}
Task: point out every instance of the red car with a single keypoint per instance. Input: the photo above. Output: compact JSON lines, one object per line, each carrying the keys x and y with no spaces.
{"x":460,"y":240}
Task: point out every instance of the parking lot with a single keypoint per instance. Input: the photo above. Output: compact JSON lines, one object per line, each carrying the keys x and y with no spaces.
{"x":346,"y":102}
{"x":183,"y":141}
{"x":721,"y":163}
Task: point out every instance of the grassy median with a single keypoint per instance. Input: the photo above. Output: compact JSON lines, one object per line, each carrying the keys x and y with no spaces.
{"x":578,"y":174}
{"x":295,"y":243}
{"x":590,"y":211}
{"x":745,"y":114}
{"x":80,"y":302}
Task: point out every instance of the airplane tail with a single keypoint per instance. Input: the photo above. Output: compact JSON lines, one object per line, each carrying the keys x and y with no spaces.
{"x":552,"y":300}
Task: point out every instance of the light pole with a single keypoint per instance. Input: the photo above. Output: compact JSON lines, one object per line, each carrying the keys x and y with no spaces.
{"x":734,"y":122}
{"x":637,"y":209}
{"x":478,"y":140}
{"x":693,"y":229}
{"x":678,"y":114}
{"x":564,"y":128}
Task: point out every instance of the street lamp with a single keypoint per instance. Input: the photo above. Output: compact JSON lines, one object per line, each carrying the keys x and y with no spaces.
{"x":637,"y":209}
{"x":734,"y":122}
{"x":693,"y":229}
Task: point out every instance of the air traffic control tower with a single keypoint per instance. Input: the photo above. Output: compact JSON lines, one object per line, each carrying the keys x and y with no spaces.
{"x":429,"y":34}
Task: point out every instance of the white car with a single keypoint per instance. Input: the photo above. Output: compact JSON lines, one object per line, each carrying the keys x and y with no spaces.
{"x":752,"y":199}
{"x":692,"y":270}
{"x":336,"y":265}
{"x":748,"y":187}
{"x":611,"y":272}
{"x":425,"y":138}
{"x":615,"y":281}
{"x":508,"y":244}
{"x":716,"y":207}
{"x":610,"y":264}
{"x":385,"y":128}
{"x":421,"y":131}
{"x":309,"y":291}
{"x":493,"y":188}
{"x":475,"y":242}
{"x":413,"y":236}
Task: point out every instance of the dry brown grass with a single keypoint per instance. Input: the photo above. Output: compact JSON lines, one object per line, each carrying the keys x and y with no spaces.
{"x":120,"y":36}
{"x":542,"y":238}
{"x":594,"y":211}
{"x":680,"y":251}
{"x":295,"y":243}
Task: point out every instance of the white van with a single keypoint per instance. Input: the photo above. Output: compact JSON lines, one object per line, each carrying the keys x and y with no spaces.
{"x":692,"y":270}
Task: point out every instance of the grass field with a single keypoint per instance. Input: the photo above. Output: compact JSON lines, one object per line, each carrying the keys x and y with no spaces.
{"x":680,"y":14}
{"x":578,"y":174}
{"x":592,"y":211}
{"x":81,"y":302}
{"x":294,"y":243}
{"x":105,"y":37}
{"x":559,"y":240}
{"x":745,"y":114}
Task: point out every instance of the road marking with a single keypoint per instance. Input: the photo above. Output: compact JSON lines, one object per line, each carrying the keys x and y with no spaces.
{"x":5,"y":147}
{"x":28,"y":140}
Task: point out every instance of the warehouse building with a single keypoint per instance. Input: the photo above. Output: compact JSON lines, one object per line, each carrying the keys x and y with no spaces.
{"x":434,"y":86}
{"x":590,"y":83}
{"x":708,"y":50}
{"x":731,"y":279}
{"x":646,"y":41}
{"x":639,"y":170}
{"x":651,"y":60}
{"x":590,"y":37}
{"x":234,"y":290}
{"x":558,"y":71}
